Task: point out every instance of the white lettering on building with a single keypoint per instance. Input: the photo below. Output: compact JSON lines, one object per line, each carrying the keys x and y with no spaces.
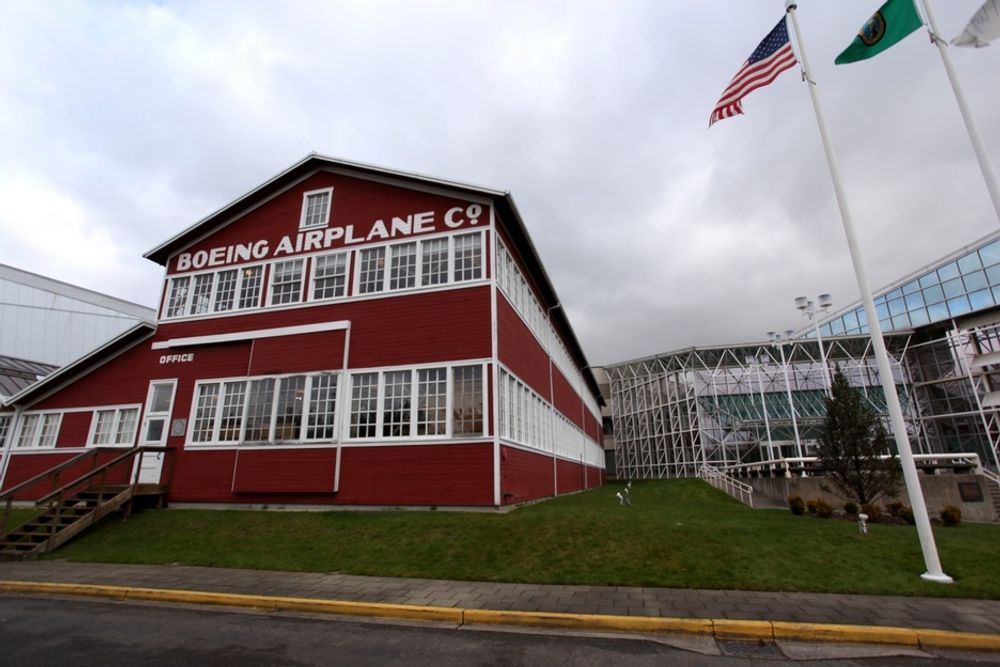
{"x":322,"y":239}
{"x":177,"y":358}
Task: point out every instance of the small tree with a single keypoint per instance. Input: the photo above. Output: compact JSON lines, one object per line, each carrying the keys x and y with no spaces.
{"x":850,"y":444}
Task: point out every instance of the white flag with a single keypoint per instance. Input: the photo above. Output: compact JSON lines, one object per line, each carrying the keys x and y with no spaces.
{"x":983,"y":28}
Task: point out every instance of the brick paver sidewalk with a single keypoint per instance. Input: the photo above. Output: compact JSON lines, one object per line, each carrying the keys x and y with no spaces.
{"x":939,"y":613}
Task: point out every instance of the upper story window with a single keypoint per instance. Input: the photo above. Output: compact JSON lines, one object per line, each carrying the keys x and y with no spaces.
{"x":392,"y":267}
{"x":424,"y":263}
{"x":316,"y":208}
{"x":329,"y":277}
{"x":286,"y":282}
{"x":215,"y":291}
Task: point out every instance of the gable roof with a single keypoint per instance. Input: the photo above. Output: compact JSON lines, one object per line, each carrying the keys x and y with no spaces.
{"x":88,"y":362}
{"x":17,"y":374}
{"x":315,"y":162}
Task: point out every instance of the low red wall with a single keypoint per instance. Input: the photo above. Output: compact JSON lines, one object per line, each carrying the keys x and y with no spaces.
{"x":525,"y":476}
{"x":25,"y":466}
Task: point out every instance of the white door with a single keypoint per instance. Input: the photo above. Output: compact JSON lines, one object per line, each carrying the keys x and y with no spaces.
{"x":155,"y":428}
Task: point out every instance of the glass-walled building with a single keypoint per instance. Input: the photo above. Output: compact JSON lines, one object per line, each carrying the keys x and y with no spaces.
{"x":753,"y":402}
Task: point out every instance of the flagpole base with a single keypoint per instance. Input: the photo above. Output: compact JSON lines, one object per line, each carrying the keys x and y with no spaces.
{"x":937,"y":578}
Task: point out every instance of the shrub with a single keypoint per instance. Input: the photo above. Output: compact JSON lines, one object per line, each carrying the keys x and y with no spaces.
{"x":951,"y":516}
{"x":894,"y":508}
{"x":851,"y":507}
{"x":906,"y":514}
{"x":797,"y":505}
{"x":811,"y":506}
{"x":823,"y":509}
{"x":873,"y":512}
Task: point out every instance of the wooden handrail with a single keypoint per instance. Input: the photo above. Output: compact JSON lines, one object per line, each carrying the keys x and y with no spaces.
{"x":130,"y":453}
{"x":51,"y":472}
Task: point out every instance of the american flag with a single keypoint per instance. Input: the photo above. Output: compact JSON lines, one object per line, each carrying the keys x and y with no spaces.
{"x":771,"y":57}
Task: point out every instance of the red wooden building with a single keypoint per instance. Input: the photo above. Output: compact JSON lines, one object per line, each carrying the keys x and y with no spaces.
{"x":342,"y":334}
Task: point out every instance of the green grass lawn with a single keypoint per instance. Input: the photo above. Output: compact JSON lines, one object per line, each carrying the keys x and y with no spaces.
{"x":679,"y":533}
{"x":19,"y":516}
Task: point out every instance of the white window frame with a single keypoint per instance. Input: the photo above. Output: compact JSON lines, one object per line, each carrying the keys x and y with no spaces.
{"x":302,"y":438}
{"x":36,"y":435}
{"x":311,"y":288}
{"x":305,"y":207}
{"x":449,"y":433}
{"x":118,"y":410}
{"x":5,"y":422}
{"x":214,"y":293}
{"x":418,"y":282}
{"x":270,"y":280}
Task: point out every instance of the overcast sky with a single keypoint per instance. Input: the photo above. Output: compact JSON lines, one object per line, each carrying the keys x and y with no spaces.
{"x":124,"y":123}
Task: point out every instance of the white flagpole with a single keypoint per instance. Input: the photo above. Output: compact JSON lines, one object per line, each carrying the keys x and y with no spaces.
{"x":970,"y":125}
{"x":927,"y":545}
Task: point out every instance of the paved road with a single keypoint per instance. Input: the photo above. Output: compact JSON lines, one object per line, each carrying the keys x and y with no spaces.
{"x":37,"y":632}
{"x":961,"y":615}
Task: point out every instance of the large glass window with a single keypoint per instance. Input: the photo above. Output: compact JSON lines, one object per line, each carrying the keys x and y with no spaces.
{"x":251,"y":279}
{"x":371,"y":277}
{"x":468,"y":257}
{"x":364,"y":405}
{"x":396,"y":404}
{"x":432,"y":401}
{"x":38,"y":430}
{"x":467,"y":400}
{"x":316,"y":209}
{"x":214,"y":292}
{"x":265,"y":410}
{"x":403,"y":272}
{"x":330,"y":276}
{"x":434,"y":269}
{"x":322,"y":407}
{"x":286,"y":282}
{"x":177,"y":301}
{"x":114,"y":426}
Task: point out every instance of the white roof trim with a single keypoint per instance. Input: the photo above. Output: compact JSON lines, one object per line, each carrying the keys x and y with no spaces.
{"x":251,"y":335}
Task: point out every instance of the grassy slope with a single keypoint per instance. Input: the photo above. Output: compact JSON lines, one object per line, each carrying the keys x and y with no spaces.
{"x":678,"y":533}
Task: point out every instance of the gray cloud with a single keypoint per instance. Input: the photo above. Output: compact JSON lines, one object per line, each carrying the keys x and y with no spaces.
{"x":124,"y":124}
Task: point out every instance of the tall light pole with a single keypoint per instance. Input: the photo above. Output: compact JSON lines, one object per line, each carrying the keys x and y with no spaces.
{"x":812,"y":311}
{"x":778,"y":341}
{"x":755,"y":360}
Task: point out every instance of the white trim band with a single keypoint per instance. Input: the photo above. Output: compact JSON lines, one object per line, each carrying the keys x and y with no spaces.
{"x":340,"y":325}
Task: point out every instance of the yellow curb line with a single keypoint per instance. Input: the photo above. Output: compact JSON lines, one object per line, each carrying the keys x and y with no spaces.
{"x":717,"y":628}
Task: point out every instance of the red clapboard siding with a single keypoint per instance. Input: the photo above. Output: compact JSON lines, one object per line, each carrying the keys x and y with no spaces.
{"x":519,"y":351}
{"x":525,"y":476}
{"x":294,"y":471}
{"x":567,"y":401}
{"x":460,"y":474}
{"x":25,"y":466}
{"x":125,"y":379}
{"x":355,"y":202}
{"x":292,"y":354}
{"x":74,"y":429}
{"x":570,"y":475}
{"x":401,"y":329}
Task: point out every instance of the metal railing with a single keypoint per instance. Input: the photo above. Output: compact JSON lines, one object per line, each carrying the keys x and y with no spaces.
{"x":733,"y":487}
{"x":811,"y":465}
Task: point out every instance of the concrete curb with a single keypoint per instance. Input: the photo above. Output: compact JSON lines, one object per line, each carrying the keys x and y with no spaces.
{"x":717,"y":628}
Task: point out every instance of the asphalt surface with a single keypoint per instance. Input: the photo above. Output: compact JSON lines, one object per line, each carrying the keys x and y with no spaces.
{"x":37,"y":632}
{"x":961,"y":615}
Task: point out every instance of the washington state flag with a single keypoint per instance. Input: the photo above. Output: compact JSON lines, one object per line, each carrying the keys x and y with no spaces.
{"x":892,"y":22}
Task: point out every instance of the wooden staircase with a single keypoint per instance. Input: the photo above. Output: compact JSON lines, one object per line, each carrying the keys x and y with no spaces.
{"x":72,"y":507}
